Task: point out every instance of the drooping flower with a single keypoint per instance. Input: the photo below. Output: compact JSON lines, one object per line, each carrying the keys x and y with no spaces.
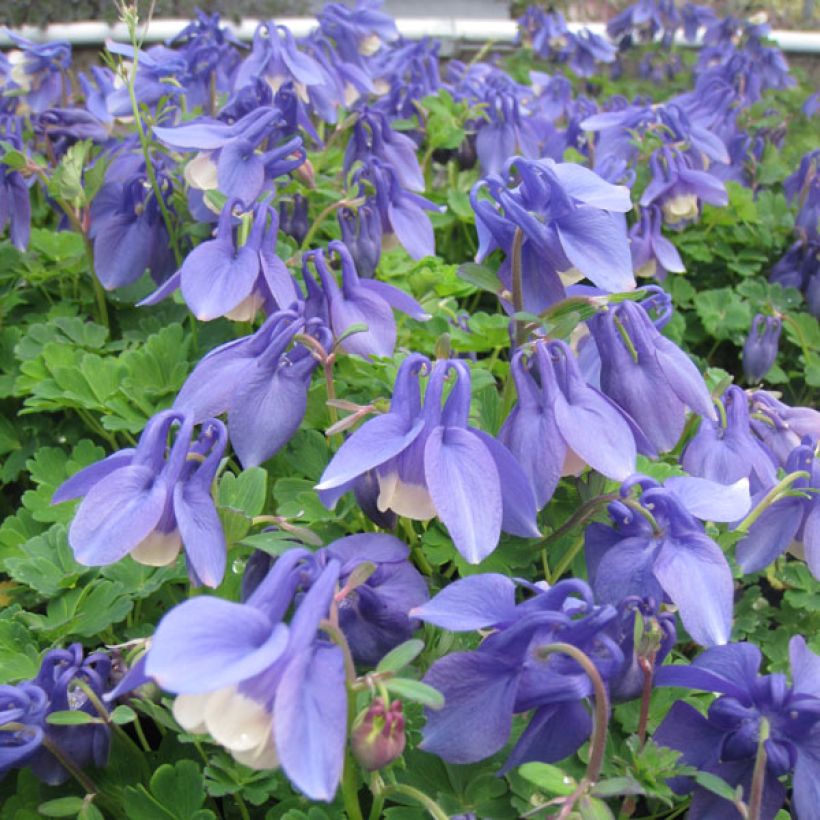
{"x":272,"y":694}
{"x":219,"y":278}
{"x":15,"y":204}
{"x":678,"y":187}
{"x":509,"y":673}
{"x":790,"y":521}
{"x":652,"y":253}
{"x":647,"y":375}
{"x":725,"y":450}
{"x":55,"y":689}
{"x":260,"y":381}
{"x":725,"y":742}
{"x":560,"y":424}
{"x":369,"y":302}
{"x":127,"y":226}
{"x":760,"y":348}
{"x":780,"y":427}
{"x":153,"y":500}
{"x":659,"y":550}
{"x":373,"y":613}
{"x":430,"y":462}
{"x":362,"y":233}
{"x":571,"y":220}
{"x":37,"y":71}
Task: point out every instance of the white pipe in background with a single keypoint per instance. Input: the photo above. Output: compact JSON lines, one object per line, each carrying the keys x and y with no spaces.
{"x":448,"y":29}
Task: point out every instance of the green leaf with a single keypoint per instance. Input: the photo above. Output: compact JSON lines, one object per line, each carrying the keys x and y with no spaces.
{"x":90,"y":812}
{"x":72,"y":717}
{"x":47,"y":563}
{"x":66,"y":182}
{"x":61,"y":807}
{"x":617,"y":785}
{"x":549,"y":779}
{"x":176,"y":793}
{"x":244,"y":493}
{"x":716,"y":785}
{"x":123,"y":714}
{"x":480,"y":276}
{"x":405,"y":653}
{"x":590,"y":808}
{"x":416,"y":691}
{"x":19,"y":654}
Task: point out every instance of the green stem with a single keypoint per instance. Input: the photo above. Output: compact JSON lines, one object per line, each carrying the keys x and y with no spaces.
{"x":429,"y":804}
{"x":317,"y":223}
{"x":240,"y":804}
{"x":759,"y":773}
{"x":582,"y":514}
{"x":377,"y":790}
{"x":518,"y":285}
{"x":770,"y":498}
{"x":350,"y":787}
{"x":145,"y":145}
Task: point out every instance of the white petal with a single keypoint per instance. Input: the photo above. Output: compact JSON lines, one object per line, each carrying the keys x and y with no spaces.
{"x":236,"y":721}
{"x":158,"y":550}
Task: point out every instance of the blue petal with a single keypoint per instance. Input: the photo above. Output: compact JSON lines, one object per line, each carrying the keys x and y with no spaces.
{"x":80,"y":483}
{"x":463,"y":482}
{"x":696,"y":576}
{"x":479,"y":693}
{"x":205,"y":644}
{"x":770,"y":535}
{"x":310,"y":721}
{"x":475,"y":602}
{"x":116,"y":515}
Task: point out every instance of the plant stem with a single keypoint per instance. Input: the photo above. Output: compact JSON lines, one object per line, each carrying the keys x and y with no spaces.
{"x":517,"y":285}
{"x":350,"y":790}
{"x":240,"y":804}
{"x":770,"y":498}
{"x":581,"y":515}
{"x":317,"y":223}
{"x":432,"y":807}
{"x":377,"y":790}
{"x":759,"y":773}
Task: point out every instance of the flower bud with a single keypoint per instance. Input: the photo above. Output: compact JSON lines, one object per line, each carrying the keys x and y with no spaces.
{"x":760,"y":349}
{"x":378,"y":735}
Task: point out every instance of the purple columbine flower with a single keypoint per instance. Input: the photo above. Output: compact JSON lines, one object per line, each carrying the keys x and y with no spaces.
{"x":373,"y":613}
{"x":15,"y":204}
{"x":647,"y":375}
{"x":219,"y":278}
{"x":508,"y":675}
{"x":430,"y":462}
{"x":155,"y":67}
{"x":55,"y":690}
{"x":37,"y":71}
{"x":792,"y":521}
{"x":679,"y":187}
{"x":760,"y":348}
{"x":652,"y":253}
{"x":373,"y":137}
{"x":780,"y":427}
{"x":726,"y":450}
{"x":560,"y":424}
{"x":725,"y":741}
{"x":273,"y":694}
{"x":660,"y":550}
{"x":402,"y":212}
{"x":228,"y":159}
{"x":260,"y":381}
{"x":357,"y":301}
{"x":362,"y":233}
{"x":152,"y":500}
{"x":293,"y":218}
{"x":571,"y":220}
{"x":127,"y":226}
{"x":359,"y":32}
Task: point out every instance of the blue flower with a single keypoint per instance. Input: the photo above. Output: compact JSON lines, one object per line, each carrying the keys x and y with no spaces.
{"x":430,"y":462}
{"x":260,"y":381}
{"x":368,"y":302}
{"x":571,"y":220}
{"x":661,"y":551}
{"x":647,"y":375}
{"x":273,"y":694}
{"x":55,"y":689}
{"x":725,"y":741}
{"x":760,"y":348}
{"x":152,"y":500}
{"x":560,"y":424}
{"x":508,"y":675}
